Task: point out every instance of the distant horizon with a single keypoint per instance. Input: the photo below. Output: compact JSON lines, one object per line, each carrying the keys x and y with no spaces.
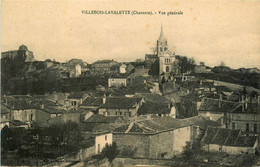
{"x":209,"y":32}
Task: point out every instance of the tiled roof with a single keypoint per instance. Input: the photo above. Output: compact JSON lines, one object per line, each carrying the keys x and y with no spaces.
{"x":121,"y":102}
{"x":201,"y":121}
{"x":223,"y":89}
{"x":210,"y":104}
{"x":155,"y":98}
{"x":92,"y":101}
{"x":18,"y":122}
{"x":19,"y":105}
{"x":25,"y":104}
{"x":4,"y":109}
{"x":251,"y":108}
{"x":96,"y":118}
{"x":152,"y":126}
{"x":154,"y":108}
{"x":227,"y":137}
{"x":77,"y":95}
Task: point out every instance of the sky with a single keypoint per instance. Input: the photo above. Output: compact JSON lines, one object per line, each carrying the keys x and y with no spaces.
{"x":208,"y":31}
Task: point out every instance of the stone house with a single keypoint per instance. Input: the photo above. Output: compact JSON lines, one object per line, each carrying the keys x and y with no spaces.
{"x":76,"y":99}
{"x":154,"y":138}
{"x":245,"y":117}
{"x":122,"y":69}
{"x":27,"y":113}
{"x":91,"y":103}
{"x":141,"y":71}
{"x":101,"y":140}
{"x":233,"y":115}
{"x":117,"y":82}
{"x":158,"y":109}
{"x":216,"y":109}
{"x":120,"y":106}
{"x":105,"y":67}
{"x":150,"y":59}
{"x":229,"y":141}
{"x":65,"y":117}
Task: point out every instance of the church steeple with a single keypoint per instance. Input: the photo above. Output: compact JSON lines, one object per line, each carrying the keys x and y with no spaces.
{"x":161,"y":43}
{"x":162,"y":38}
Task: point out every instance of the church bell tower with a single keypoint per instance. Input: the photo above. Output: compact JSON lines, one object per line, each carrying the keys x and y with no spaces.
{"x":162,"y":45}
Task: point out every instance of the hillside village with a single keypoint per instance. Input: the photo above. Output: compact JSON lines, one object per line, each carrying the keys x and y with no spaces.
{"x":160,"y":110}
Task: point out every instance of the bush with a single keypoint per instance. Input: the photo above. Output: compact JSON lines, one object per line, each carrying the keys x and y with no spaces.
{"x":110,"y":152}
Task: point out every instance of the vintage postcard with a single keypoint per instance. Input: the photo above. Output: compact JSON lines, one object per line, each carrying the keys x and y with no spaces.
{"x":130,"y":83}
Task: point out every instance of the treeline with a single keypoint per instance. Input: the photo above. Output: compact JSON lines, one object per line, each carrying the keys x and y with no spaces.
{"x":39,"y":144}
{"x":15,"y":80}
{"x":247,"y":79}
{"x":38,"y":86}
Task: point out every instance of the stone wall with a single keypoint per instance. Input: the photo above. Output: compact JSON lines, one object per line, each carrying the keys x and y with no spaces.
{"x":135,"y":141}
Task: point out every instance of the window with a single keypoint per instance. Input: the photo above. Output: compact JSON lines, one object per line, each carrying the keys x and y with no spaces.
{"x":233,"y":126}
{"x":120,"y":113}
{"x":227,"y":126}
{"x":106,"y":137}
{"x":247,"y":127}
{"x":167,"y":69}
{"x":129,"y":114}
{"x":98,"y":148}
{"x":255,"y":128}
{"x":31,"y":118}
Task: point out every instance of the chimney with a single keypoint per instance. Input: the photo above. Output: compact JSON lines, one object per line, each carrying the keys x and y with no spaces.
{"x":104,"y":99}
{"x":42,"y":106}
{"x":243,"y":99}
{"x":169,"y":105}
{"x":220,"y":101}
{"x":144,"y":81}
{"x":200,"y":82}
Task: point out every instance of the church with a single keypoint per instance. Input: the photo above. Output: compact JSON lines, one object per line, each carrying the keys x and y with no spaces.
{"x":168,"y":61}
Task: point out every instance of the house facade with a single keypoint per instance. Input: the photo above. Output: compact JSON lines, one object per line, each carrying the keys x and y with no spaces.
{"x":101,"y":140}
{"x":158,"y":138}
{"x":105,"y":67}
{"x":117,"y":82}
{"x":76,"y":99}
{"x":120,"y":106}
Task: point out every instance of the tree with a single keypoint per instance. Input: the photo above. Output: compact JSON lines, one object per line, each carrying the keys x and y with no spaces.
{"x":187,"y":151}
{"x":186,"y":64}
{"x":163,"y":80}
{"x":110,"y":152}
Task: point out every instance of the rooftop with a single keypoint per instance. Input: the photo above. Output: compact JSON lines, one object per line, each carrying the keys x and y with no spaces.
{"x":121,"y":102}
{"x":149,"y":107}
{"x":228,"y":137}
{"x":77,"y":95}
{"x":92,"y":101}
{"x":210,"y":104}
{"x":152,"y":125}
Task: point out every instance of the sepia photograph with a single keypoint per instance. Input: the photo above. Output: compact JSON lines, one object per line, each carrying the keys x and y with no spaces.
{"x":130,"y":83}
